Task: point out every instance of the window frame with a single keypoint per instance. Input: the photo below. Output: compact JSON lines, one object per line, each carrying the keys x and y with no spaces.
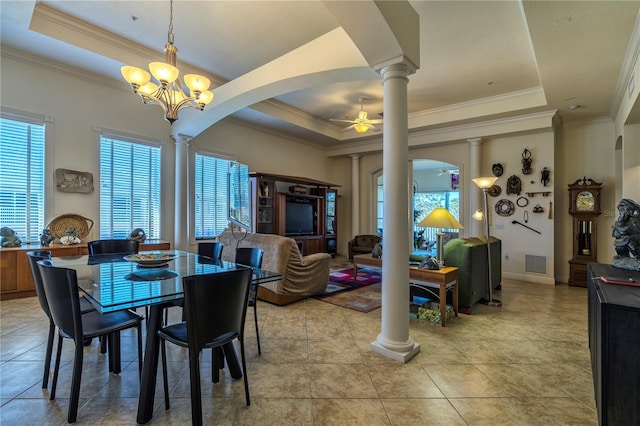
{"x":137,"y":140}
{"x":48,"y":122}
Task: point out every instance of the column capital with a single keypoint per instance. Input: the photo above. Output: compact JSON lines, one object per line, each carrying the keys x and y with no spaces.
{"x":398,"y":70}
{"x":355,"y":157}
{"x":181,"y":139}
{"x":474,"y":141}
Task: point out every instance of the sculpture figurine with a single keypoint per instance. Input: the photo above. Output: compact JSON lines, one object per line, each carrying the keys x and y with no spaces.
{"x":137,"y":234}
{"x":545,"y":176}
{"x":71,"y":237}
{"x":9,"y":238}
{"x":526,"y":162}
{"x":46,"y":237}
{"x":626,"y":231}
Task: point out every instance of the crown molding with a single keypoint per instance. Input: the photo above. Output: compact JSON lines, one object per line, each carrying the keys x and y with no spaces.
{"x":626,"y":71}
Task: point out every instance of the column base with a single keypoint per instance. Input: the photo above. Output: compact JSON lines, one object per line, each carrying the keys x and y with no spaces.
{"x":394,"y":355}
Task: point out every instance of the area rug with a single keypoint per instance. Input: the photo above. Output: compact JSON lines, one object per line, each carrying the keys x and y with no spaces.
{"x":363,"y":299}
{"x":362,"y":293}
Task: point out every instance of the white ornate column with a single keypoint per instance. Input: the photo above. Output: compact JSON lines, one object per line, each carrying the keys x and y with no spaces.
{"x":475,"y":199}
{"x":355,"y":194}
{"x":181,"y":221}
{"x":394,"y":341}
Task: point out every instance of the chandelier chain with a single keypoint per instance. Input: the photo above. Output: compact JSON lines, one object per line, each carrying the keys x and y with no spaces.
{"x":170,"y":33}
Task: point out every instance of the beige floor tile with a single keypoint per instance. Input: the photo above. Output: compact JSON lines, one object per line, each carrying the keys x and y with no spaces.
{"x":422,"y":412}
{"x":335,"y":351}
{"x":283,"y":381}
{"x":341,"y":381}
{"x":275,"y":412}
{"x":352,"y":412}
{"x":463,"y":381}
{"x":403,"y":381}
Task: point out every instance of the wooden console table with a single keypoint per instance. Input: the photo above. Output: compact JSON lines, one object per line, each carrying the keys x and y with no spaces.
{"x":443,"y":279}
{"x":16,"y":280}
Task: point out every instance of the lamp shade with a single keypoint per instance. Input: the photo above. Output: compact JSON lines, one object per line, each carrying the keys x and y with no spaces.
{"x":478,"y":214}
{"x":440,"y":218}
{"x":485,"y":182}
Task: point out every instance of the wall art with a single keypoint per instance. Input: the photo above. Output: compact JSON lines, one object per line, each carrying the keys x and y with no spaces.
{"x":74,"y":181}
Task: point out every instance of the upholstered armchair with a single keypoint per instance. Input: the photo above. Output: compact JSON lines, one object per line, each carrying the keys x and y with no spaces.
{"x":469,"y":255}
{"x":302,"y":276}
{"x":362,"y":244}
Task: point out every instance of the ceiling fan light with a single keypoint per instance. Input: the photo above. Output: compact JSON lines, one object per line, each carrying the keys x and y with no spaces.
{"x":361,"y":128}
{"x":163,"y":72}
{"x":197,"y":83}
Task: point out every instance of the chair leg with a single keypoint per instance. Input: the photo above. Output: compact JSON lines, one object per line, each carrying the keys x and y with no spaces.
{"x":244,"y":373}
{"x":196,"y":397}
{"x":163,"y":352}
{"x":103,"y":345}
{"x":47,"y":357}
{"x":76,"y":378}
{"x":56,"y":368}
{"x":255,"y":316}
{"x":140,"y":351}
{"x":115,"y":366}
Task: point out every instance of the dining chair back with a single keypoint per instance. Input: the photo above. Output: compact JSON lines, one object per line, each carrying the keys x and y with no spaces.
{"x":117,"y":246}
{"x":215,"y":307}
{"x":212,"y":250}
{"x":61,"y":290}
{"x":252,"y":256}
{"x":33,"y":257}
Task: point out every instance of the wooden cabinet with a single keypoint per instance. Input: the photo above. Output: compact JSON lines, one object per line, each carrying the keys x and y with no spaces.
{"x":263,"y":191}
{"x":614,"y":327}
{"x":313,"y":203}
{"x":330,"y":220}
{"x":15,"y":272}
{"x":584,"y":207}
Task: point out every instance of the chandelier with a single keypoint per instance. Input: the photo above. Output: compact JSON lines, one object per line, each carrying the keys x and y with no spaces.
{"x":168,"y":93}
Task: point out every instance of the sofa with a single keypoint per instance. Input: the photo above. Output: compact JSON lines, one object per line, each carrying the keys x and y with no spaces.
{"x":362,"y":244}
{"x":302,"y":276}
{"x":469,"y":255}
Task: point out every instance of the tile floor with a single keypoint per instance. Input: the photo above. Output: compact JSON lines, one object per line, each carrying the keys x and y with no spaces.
{"x":525,"y":363}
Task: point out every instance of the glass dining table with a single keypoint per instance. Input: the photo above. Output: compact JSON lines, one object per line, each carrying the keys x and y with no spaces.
{"x":112,"y":283}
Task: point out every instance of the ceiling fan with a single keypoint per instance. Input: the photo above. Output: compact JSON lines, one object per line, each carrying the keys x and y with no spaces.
{"x":361,"y":124}
{"x":447,"y":171}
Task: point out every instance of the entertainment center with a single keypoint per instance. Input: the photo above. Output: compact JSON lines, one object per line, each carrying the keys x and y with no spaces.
{"x":300,"y":208}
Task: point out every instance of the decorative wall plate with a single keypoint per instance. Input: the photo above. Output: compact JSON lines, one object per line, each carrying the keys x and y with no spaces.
{"x":514,"y":185}
{"x":497,"y":169}
{"x":495,"y":190}
{"x":505,"y":207}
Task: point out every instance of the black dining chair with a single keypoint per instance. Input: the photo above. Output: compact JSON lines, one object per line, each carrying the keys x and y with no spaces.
{"x":113,"y":247}
{"x":61,"y":289}
{"x":215,"y":306}
{"x":117,"y":246}
{"x":33,"y":257}
{"x":251,"y":256}
{"x":212,"y":250}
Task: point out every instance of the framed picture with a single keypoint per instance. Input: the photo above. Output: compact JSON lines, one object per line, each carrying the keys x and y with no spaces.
{"x":74,"y":181}
{"x":455,"y":181}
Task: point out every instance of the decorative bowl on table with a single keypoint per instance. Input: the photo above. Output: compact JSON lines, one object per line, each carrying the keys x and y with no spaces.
{"x":150,"y":260}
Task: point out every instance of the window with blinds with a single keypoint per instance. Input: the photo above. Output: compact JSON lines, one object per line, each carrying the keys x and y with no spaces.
{"x":129,"y":188}
{"x":22,"y":176}
{"x":211,"y":187}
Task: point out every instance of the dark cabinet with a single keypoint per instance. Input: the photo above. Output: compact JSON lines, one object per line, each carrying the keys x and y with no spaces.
{"x":614,"y":342}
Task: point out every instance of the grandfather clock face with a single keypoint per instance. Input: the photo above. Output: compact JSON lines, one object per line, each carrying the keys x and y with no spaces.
{"x":585,"y":202}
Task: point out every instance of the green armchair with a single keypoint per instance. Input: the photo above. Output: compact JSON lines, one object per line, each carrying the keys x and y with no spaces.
{"x":469,"y":255}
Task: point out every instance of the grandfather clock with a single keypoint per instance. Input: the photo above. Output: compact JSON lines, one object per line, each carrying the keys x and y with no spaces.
{"x":584,"y":207}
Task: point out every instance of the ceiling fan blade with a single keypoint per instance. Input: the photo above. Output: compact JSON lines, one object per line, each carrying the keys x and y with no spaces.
{"x":341,"y":121}
{"x":377,"y":121}
{"x":374,"y":128}
{"x":348,"y":127}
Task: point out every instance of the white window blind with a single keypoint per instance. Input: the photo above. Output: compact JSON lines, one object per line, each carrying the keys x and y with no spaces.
{"x":22,"y":177}
{"x":211,"y":186}
{"x":129,"y":188}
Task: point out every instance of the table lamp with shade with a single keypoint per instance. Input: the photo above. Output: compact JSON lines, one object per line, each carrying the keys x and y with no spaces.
{"x":485,"y":183}
{"x":440,"y":218}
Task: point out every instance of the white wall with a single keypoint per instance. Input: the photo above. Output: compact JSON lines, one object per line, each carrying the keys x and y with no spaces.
{"x":631,"y":162}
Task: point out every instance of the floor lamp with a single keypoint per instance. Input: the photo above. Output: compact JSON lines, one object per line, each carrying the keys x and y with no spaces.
{"x":440,"y":218}
{"x":485,"y":183}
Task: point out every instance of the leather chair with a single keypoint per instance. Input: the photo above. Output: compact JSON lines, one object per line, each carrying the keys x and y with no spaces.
{"x":212,"y":250}
{"x":362,"y":244}
{"x":118,"y":246}
{"x":85,"y":306}
{"x":251,"y":256}
{"x":61,"y":289}
{"x":215,"y":306}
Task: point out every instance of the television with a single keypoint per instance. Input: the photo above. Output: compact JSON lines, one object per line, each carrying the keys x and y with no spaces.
{"x":299,"y":218}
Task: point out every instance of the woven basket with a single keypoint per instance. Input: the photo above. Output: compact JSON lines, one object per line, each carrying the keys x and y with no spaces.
{"x":59,"y":225}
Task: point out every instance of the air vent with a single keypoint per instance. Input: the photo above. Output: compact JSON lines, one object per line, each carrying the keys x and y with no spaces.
{"x":535,"y":264}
